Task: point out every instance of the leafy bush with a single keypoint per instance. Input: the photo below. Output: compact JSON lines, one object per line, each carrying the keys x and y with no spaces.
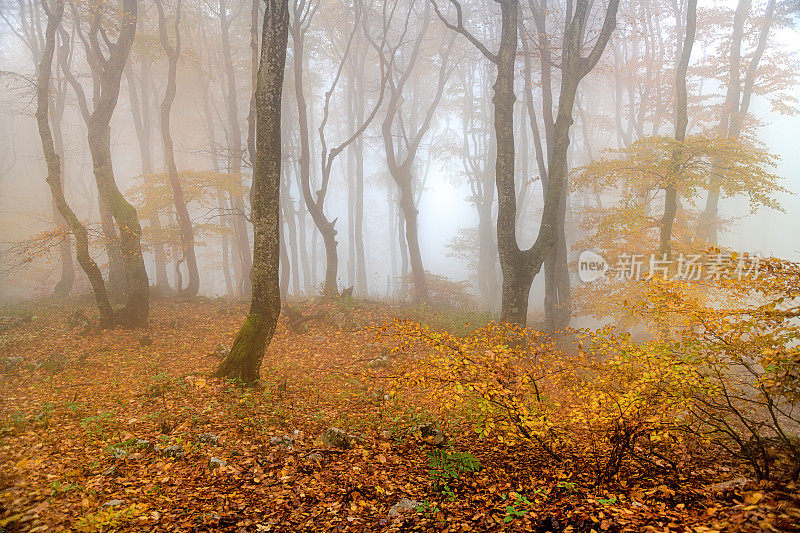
{"x":596,"y":410}
{"x":722,"y":372}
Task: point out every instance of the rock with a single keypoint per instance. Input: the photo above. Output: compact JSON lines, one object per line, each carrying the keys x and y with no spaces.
{"x":285,"y":442}
{"x":8,"y":322}
{"x":216,"y":462}
{"x":404,"y":505}
{"x":731,"y":484}
{"x":77,"y":318}
{"x":142,"y":443}
{"x":334,"y":438}
{"x":342,"y":321}
{"x":176,"y":451}
{"x":208,"y":438}
{"x":11,"y":364}
{"x":430,"y":433}
{"x":120,"y":453}
{"x":145,"y":340}
{"x":113,"y":503}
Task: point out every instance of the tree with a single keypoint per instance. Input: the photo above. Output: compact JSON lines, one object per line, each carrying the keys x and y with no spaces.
{"x":106,"y":74}
{"x":54,"y":15}
{"x":184,"y":220}
{"x":521,"y":266}
{"x":737,"y":102}
{"x":140,"y":100}
{"x":235,"y":152}
{"x":681,"y":123}
{"x":247,"y":351}
{"x":303,"y":14}
{"x":30,"y":32}
{"x":402,"y":168}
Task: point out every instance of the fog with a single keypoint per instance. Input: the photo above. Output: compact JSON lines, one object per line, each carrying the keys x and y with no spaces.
{"x":627,"y":96}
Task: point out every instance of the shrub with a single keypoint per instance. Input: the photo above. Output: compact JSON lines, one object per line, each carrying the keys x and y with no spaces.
{"x":447,"y":466}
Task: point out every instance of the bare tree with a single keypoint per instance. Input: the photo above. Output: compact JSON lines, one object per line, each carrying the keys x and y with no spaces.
{"x":303,"y":13}
{"x":140,"y":100}
{"x":400,"y":167}
{"x":737,"y":102}
{"x":239,"y":222}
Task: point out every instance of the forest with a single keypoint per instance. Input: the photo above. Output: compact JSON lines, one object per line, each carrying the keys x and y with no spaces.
{"x":399,"y":265}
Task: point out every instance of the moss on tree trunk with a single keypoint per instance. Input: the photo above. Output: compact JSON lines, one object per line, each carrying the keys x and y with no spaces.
{"x":244,"y":360}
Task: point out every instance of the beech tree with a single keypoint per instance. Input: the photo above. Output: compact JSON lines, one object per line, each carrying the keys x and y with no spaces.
{"x":521,"y":266}
{"x":244,"y":360}
{"x":737,"y":101}
{"x":54,"y":14}
{"x":184,"y":220}
{"x":681,"y":123}
{"x":402,"y":144}
{"x":107,"y":61}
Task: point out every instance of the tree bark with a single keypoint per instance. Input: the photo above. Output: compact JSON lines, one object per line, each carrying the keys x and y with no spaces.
{"x":520,"y":266}
{"x":247,"y":352}
{"x":681,"y":123}
{"x":107,"y":73}
{"x":221,"y":202}
{"x":184,"y":220}
{"x":142,"y":125}
{"x":239,"y":222}
{"x":401,"y":169}
{"x":54,"y":16}
{"x":736,"y":106}
{"x":58,"y":104}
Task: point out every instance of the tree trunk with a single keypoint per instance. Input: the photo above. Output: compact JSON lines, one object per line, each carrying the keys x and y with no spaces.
{"x":117,"y":282}
{"x":391,"y":286}
{"x":106,"y":75}
{"x":247,"y":352}
{"x":314,"y":206}
{"x":142,"y":125}
{"x":681,"y":123}
{"x":54,"y":180}
{"x":285,"y":264}
{"x":221,"y":202}
{"x":235,"y":149}
{"x":184,"y":220}
{"x":401,"y":230}
{"x":67,"y":280}
{"x":410,"y":215}
{"x":737,"y":103}
{"x":137,"y":306}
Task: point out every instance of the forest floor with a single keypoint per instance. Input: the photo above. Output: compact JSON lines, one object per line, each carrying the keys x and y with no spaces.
{"x":125,"y":430}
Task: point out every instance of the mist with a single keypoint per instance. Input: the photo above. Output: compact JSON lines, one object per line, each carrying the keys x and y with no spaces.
{"x":523,"y":200}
